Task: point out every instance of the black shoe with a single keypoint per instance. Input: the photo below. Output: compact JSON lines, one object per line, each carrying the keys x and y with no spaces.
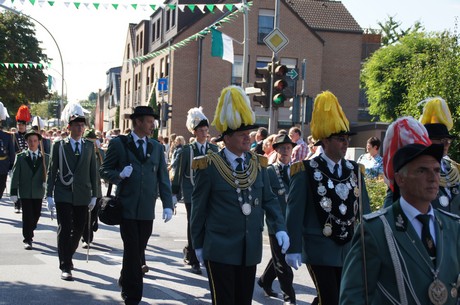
{"x":28,"y":245}
{"x":186,"y":259}
{"x":145,"y":269}
{"x":268,"y":291}
{"x":196,"y":269}
{"x":66,"y":275}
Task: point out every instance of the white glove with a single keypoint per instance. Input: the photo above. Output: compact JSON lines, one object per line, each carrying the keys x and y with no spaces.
{"x":167,"y":214}
{"x":14,"y":199}
{"x":92,"y":203}
{"x":126,"y":172}
{"x":199,"y":255}
{"x":294,"y":260}
{"x":174,"y":200}
{"x":283,"y":240}
{"x":10,"y":173}
{"x":51,"y":206}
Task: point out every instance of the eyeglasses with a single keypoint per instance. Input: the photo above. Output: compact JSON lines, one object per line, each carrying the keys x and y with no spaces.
{"x":341,"y":139}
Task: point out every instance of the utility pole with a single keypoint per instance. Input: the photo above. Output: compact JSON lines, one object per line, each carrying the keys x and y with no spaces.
{"x":273,"y":119}
{"x":244,"y":76}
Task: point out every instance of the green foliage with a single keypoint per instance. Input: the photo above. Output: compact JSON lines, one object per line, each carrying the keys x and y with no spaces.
{"x":18,"y":44}
{"x":376,"y":189}
{"x":392,"y":32}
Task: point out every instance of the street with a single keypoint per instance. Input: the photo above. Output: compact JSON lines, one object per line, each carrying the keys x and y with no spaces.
{"x":33,"y":277}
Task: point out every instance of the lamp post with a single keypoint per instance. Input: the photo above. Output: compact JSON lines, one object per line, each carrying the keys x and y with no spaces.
{"x":59,"y":50}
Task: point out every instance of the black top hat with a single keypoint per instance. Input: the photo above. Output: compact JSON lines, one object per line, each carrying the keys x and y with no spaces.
{"x":77,"y":118}
{"x":143,"y":111}
{"x":32,"y":133}
{"x":410,"y":152}
{"x":230,"y":131}
{"x":438,"y":131}
{"x":282,"y":139}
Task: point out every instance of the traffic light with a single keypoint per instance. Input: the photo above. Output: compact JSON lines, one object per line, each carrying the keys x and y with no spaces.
{"x":264,"y":85}
{"x":295,"y":110}
{"x":167,"y":112}
{"x":279,"y":84}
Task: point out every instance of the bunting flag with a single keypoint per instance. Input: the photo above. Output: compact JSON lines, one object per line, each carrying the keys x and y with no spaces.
{"x":221,"y":45}
{"x":135,"y":6}
{"x":21,"y":65}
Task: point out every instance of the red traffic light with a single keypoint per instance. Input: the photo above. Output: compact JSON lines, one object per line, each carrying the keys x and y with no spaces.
{"x":281,"y":70}
{"x":280,"y":85}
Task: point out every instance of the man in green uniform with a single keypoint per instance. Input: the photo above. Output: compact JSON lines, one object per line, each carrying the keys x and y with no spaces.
{"x":231,"y":194}
{"x":409,"y":252}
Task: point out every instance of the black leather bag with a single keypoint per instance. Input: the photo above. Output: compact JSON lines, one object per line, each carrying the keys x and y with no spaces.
{"x":111,"y":210}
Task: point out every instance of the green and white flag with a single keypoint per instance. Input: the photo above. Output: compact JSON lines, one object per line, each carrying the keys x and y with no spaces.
{"x":222,"y":45}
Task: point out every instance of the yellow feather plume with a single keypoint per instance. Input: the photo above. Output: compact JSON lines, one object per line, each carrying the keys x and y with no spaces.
{"x":233,"y":110}
{"x":328,"y":117}
{"x":436,"y":111}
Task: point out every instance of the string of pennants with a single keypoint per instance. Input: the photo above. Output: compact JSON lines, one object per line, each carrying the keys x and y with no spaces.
{"x":135,"y":6}
{"x":21,"y":65}
{"x":201,"y":34}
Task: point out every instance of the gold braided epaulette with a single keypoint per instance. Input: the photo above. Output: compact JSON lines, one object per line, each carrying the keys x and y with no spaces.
{"x":200,"y":162}
{"x":297,"y":167}
{"x":263,"y":161}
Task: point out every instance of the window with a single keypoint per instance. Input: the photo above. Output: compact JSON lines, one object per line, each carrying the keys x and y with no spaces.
{"x":266,"y":24}
{"x":158,"y":29}
{"x":166,"y":66}
{"x":141,"y":40}
{"x":153,"y":31}
{"x":237,"y":70}
{"x":173,"y":18}
{"x":168,"y":19}
{"x":162,"y":66}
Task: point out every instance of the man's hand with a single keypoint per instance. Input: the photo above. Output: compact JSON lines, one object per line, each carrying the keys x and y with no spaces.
{"x":14,"y":199}
{"x":283,"y":240}
{"x":51,"y":206}
{"x":199,"y":255}
{"x":167,"y":214}
{"x":126,"y":172}
{"x":294,"y":260}
{"x":92,"y":203}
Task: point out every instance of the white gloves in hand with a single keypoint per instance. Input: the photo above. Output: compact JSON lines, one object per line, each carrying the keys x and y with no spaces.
{"x":199,"y":255}
{"x":126,"y":172}
{"x":51,"y":206}
{"x":14,"y":199}
{"x":167,"y":214}
{"x":92,"y":203}
{"x":283,"y":240}
{"x":174,"y":200}
{"x":294,"y":260}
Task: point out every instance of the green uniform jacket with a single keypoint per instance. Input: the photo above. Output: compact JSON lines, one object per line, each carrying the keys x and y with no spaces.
{"x":83,"y":169}
{"x":413,"y":256}
{"x":182,"y":178}
{"x":304,"y":228}
{"x":27,"y":180}
{"x":279,"y":189}
{"x":150,"y":176}
{"x":219,"y":227}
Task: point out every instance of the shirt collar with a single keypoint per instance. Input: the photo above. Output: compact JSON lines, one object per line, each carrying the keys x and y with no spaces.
{"x":73,"y":141}
{"x":231,"y":157}
{"x":136,"y":137}
{"x":411,"y":212}
{"x":37,"y":152}
{"x":330,"y":163}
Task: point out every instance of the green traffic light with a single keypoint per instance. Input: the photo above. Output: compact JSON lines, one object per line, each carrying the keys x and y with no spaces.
{"x":279,"y":99}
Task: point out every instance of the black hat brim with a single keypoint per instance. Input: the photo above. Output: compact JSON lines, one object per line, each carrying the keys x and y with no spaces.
{"x":342,"y":133}
{"x":28,"y":134}
{"x":408,"y":153}
{"x":137,"y":115}
{"x":241,"y":128}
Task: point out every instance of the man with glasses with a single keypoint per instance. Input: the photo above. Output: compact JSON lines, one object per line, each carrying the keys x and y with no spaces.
{"x":436,"y":110}
{"x":324,"y":200}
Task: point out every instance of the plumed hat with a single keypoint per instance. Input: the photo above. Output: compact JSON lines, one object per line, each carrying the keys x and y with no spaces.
{"x":437,"y":118}
{"x":3,"y":112}
{"x":33,"y":133}
{"x":328,"y":117}
{"x":73,"y":112}
{"x":23,"y":114}
{"x":38,"y":123}
{"x":403,"y":131}
{"x":233,"y":112}
{"x":195,"y":119}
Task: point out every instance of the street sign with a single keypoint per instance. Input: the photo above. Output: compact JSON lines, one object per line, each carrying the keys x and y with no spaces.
{"x":276,"y":40}
{"x":293,"y":74}
{"x":162,"y":84}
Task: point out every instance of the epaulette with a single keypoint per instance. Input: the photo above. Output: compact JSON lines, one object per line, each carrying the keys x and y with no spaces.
{"x":263,"y":161}
{"x":375,"y":214}
{"x":362,"y":169}
{"x":455,"y":216}
{"x":200,"y":162}
{"x":297,"y":167}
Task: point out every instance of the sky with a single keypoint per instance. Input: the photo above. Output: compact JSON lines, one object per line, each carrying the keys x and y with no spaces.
{"x":92,"y":41}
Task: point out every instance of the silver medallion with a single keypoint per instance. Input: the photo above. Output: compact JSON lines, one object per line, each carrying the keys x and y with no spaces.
{"x":453,"y":292}
{"x":327,"y":230}
{"x":326,"y":204}
{"x":356,"y":191}
{"x":342,"y":209}
{"x":237,"y":181}
{"x":317,"y":175}
{"x":238,"y":190}
{"x":444,"y":201}
{"x":250,"y":197}
{"x":321,"y":190}
{"x":455,"y":191}
{"x":353,"y":183}
{"x":256,"y":201}
{"x":280,"y":192}
{"x":348,"y":185}
{"x":313,"y":164}
{"x":330,"y":184}
{"x":342,"y":190}
{"x":348,"y":164}
{"x":437,"y":292}
{"x":246,"y":209}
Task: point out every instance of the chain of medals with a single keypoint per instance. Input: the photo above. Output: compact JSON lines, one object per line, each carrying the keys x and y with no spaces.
{"x":342,"y":189}
{"x":241,"y":181}
{"x":449,"y":180}
{"x":282,"y":190}
{"x":437,"y":291}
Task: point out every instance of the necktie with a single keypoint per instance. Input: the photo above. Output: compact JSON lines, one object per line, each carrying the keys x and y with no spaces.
{"x":285,"y":174}
{"x":77,"y":150}
{"x":239,"y":167}
{"x":34,"y":157}
{"x":336,"y":170}
{"x":427,"y":239}
{"x":140,"y":147}
{"x":202,"y":150}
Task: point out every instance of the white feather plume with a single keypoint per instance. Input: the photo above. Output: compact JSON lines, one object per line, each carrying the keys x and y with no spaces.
{"x":3,"y":112}
{"x":72,"y":108}
{"x":37,"y":121}
{"x":194,"y":117}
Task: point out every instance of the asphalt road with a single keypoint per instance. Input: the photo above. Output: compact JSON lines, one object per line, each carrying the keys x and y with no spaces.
{"x":33,"y":277}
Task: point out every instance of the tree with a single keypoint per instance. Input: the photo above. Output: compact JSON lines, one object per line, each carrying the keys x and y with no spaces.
{"x":392,"y":32}
{"x":18,"y":44}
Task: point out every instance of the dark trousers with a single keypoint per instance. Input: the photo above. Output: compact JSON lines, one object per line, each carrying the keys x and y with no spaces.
{"x":327,"y":281}
{"x":277,"y":267}
{"x":230,"y":284}
{"x":71,"y":220}
{"x":2,"y":184}
{"x":189,"y":252}
{"x":31,"y":210}
{"x":88,"y":231}
{"x":135,"y":235}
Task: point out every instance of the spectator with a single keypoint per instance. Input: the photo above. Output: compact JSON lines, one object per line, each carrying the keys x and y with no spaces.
{"x":261,"y":135}
{"x":372,"y":161}
{"x":299,"y":152}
